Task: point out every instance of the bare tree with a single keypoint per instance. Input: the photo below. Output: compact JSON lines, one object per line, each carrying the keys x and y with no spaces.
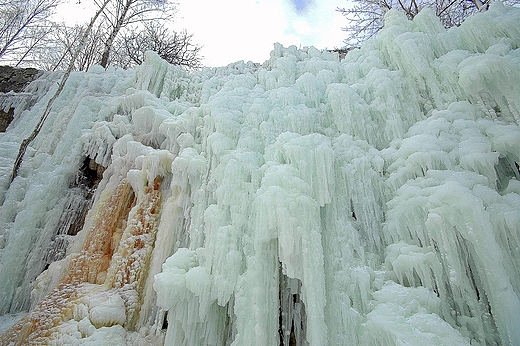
{"x":130,"y":27}
{"x":175,"y":47}
{"x":21,"y":23}
{"x":121,"y":14}
{"x":365,"y":17}
{"x":124,"y":30}
{"x":64,"y":44}
{"x":25,"y":143}
{"x":34,"y":39}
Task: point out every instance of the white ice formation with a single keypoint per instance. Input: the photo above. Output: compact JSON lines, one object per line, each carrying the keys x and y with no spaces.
{"x":305,"y":201}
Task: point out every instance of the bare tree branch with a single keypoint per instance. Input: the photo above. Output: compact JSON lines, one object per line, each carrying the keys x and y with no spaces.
{"x":18,"y":17}
{"x":109,"y":43}
{"x":365,"y":17}
{"x":121,"y":14}
{"x":175,"y":47}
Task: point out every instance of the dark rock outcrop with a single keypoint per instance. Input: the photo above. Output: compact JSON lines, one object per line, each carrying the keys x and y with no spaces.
{"x":13,"y":80}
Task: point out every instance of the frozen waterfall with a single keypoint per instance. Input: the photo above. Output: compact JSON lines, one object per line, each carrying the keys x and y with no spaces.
{"x":304,"y":201}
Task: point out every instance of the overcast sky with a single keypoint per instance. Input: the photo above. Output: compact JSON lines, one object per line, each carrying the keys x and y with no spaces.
{"x":233,"y":30}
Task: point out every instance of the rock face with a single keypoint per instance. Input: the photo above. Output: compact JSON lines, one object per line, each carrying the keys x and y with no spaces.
{"x":13,"y":79}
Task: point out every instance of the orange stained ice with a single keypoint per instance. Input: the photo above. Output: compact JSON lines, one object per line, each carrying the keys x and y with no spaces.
{"x":91,"y":264}
{"x":37,"y":326}
{"x":129,"y":266}
{"x":120,"y":243}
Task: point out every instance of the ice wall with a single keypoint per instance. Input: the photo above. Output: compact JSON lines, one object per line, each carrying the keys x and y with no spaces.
{"x":304,"y":201}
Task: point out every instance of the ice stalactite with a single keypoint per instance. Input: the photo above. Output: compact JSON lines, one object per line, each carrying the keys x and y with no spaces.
{"x":305,"y":201}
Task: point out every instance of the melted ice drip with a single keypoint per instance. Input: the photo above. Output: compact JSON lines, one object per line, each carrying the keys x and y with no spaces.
{"x":305,"y":201}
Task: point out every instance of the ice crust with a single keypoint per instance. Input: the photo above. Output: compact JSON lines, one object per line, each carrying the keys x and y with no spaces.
{"x":369,"y":201}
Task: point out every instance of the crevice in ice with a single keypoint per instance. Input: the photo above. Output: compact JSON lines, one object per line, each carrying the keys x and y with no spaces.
{"x":231,"y":318}
{"x":352,"y":211}
{"x":292,"y":319}
{"x":78,"y":202}
{"x":164,"y":324}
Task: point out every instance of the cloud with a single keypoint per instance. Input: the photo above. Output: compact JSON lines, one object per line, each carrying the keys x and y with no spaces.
{"x":301,"y":6}
{"x":319,"y":26}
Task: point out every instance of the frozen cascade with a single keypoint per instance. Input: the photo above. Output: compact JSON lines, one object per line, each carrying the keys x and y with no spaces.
{"x":304,"y":201}
{"x":78,"y":202}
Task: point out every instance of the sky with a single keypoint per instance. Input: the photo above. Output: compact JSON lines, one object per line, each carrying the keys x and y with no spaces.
{"x":233,"y":30}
